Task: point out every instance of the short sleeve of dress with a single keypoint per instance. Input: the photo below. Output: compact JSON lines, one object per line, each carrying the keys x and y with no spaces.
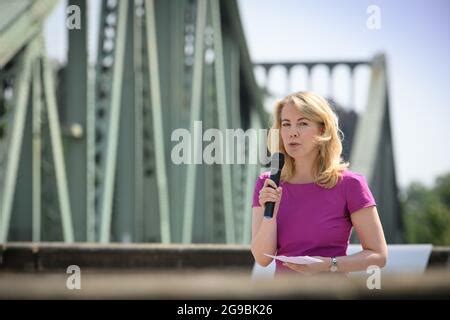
{"x":258,"y":186}
{"x":358,"y":193}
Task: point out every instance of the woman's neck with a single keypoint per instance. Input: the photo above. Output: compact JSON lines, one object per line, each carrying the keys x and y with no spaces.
{"x":304,"y":171}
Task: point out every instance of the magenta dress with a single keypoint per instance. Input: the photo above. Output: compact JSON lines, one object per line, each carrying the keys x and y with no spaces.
{"x":315,"y":221}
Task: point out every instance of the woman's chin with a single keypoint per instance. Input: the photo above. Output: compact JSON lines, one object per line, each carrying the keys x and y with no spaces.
{"x":293,"y":153}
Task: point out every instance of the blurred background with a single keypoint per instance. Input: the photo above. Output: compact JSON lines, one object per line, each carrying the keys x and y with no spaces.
{"x":91,"y":92}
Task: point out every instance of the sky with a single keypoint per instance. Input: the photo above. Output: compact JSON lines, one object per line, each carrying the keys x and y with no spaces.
{"x":414,"y":35}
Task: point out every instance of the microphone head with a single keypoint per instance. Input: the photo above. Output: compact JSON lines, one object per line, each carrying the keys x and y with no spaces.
{"x":277,"y":162}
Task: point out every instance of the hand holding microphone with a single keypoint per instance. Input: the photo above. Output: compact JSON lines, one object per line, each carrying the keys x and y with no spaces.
{"x":270,"y":194}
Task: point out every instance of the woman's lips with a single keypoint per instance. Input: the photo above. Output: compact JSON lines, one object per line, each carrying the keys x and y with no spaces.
{"x":294,"y":144}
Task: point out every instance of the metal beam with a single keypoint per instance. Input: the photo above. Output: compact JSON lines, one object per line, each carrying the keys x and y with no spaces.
{"x":90,"y":159}
{"x":22,"y":27}
{"x":173,"y":84}
{"x":196,"y":100}
{"x":126,"y":191}
{"x":246,"y":66}
{"x":57,"y":151}
{"x":222,"y":115}
{"x":368,"y":130}
{"x":37,"y":151}
{"x":74,"y":117}
{"x":139,"y":104}
{"x":15,"y":137}
{"x":157,"y":122}
{"x":113,"y":128}
{"x":251,"y":174}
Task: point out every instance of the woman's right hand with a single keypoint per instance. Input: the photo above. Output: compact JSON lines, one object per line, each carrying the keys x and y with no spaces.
{"x":270,"y":193}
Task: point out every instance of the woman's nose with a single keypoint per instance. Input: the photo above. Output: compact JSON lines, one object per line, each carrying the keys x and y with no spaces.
{"x":293,"y":133}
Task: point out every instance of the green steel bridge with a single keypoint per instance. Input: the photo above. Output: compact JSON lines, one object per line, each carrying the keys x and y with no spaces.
{"x":85,"y":148}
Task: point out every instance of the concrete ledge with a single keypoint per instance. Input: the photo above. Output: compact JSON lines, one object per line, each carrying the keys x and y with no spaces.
{"x":49,"y":256}
{"x":58,"y":256}
{"x":210,"y":285}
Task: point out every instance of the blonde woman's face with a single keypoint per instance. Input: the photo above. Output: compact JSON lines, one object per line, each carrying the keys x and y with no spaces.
{"x":298,"y":133}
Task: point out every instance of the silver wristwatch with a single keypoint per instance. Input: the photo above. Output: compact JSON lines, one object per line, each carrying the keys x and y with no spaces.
{"x":334,"y":266}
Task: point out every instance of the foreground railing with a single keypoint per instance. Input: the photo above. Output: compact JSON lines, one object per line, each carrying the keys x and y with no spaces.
{"x":198,"y":271}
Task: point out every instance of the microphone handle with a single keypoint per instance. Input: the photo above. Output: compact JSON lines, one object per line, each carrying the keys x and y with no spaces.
{"x":270,"y":206}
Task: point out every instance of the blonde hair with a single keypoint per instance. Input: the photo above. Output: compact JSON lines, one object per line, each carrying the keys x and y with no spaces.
{"x":329,"y":165}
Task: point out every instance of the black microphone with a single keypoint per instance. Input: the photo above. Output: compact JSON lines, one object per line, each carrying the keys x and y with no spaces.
{"x":276,"y":165}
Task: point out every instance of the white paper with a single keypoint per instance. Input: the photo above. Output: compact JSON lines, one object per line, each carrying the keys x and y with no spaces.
{"x":297,"y":260}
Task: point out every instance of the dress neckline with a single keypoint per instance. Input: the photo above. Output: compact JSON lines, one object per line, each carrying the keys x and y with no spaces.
{"x":299,"y":184}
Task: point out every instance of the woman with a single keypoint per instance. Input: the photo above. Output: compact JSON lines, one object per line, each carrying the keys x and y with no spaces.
{"x":319,"y":200}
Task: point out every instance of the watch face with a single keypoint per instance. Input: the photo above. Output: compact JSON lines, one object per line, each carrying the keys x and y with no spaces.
{"x":333,"y":268}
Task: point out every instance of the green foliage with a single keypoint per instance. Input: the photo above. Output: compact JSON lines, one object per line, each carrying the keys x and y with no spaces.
{"x":427,"y":212}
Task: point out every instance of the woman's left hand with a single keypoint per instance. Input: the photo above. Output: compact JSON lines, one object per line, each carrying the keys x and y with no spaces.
{"x":313,"y":268}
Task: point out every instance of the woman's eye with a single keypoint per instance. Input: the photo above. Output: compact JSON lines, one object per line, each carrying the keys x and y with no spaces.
{"x":285,"y":124}
{"x":303,"y":124}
